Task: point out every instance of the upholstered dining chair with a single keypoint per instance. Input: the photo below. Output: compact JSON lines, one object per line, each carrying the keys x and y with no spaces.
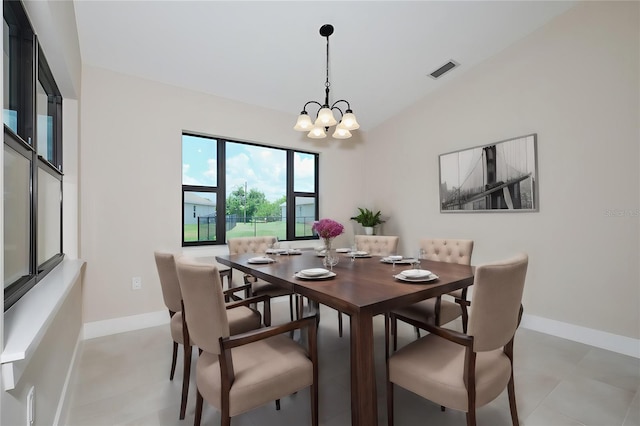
{"x":236,"y":374}
{"x":438,"y":310}
{"x":375,"y":245}
{"x":259,"y":245}
{"x":466,"y":371}
{"x":241,"y":318}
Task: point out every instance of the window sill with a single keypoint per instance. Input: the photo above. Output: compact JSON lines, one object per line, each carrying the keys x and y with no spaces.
{"x":26,"y":322}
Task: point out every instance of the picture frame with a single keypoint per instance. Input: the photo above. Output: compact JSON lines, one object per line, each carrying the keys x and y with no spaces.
{"x":496,"y":177}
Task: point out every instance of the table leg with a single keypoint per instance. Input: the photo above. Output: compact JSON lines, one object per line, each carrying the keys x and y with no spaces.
{"x":364,"y":411}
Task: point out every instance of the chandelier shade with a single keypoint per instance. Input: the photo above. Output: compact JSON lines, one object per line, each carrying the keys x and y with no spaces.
{"x":325,"y":117}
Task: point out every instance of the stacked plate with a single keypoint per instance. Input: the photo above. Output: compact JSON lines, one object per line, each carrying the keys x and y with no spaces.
{"x":360,"y":254}
{"x":398,"y":259}
{"x":261,"y":259}
{"x":416,"y":275}
{"x":315,"y":274}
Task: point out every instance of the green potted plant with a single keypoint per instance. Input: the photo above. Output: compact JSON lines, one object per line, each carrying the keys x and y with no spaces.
{"x":368,"y":219}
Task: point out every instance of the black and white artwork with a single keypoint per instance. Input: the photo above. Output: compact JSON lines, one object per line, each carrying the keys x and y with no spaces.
{"x":501,"y":176}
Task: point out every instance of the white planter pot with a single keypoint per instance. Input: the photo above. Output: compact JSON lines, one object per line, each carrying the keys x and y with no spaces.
{"x":368,"y":230}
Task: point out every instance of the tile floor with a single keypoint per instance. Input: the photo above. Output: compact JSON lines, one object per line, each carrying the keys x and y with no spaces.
{"x":124,"y":380}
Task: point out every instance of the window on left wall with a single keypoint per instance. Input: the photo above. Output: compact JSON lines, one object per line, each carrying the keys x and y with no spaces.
{"x":32,"y":167}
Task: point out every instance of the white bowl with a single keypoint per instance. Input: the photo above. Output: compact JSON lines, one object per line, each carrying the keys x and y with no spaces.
{"x":313,"y":272}
{"x":394,"y":258}
{"x":415,"y":273}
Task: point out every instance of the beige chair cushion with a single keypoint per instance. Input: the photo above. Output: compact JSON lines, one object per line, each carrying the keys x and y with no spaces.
{"x":447,"y":250}
{"x":496,"y":302}
{"x":450,"y":251}
{"x":432,"y":367}
{"x":242,"y":319}
{"x":202,"y":293}
{"x":165,"y":262}
{"x":243,"y":245}
{"x":261,"y":287}
{"x":264,"y":371}
{"x":424,"y":311}
{"x":176,"y":328}
{"x":377,"y":245}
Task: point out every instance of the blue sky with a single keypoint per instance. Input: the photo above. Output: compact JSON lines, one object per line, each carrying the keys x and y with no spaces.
{"x":261,"y":168}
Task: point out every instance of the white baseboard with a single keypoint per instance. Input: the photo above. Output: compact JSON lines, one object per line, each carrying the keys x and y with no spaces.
{"x":600,"y":339}
{"x":95,"y":329}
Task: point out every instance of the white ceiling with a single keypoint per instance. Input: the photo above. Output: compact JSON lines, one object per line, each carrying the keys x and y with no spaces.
{"x":269,"y":53}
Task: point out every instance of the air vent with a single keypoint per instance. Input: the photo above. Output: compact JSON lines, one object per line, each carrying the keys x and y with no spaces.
{"x":443,"y":69}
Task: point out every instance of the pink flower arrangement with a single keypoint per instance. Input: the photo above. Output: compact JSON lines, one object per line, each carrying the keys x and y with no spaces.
{"x":327,"y":228}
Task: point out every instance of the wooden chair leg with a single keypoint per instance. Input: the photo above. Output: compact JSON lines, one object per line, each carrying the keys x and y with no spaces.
{"x":291,"y":308}
{"x":198,"y":416}
{"x":340,"y":323}
{"x":511,"y":390}
{"x":471,"y":417}
{"x":186,"y":373}
{"x":277,"y":404}
{"x":417,"y":332}
{"x":394,"y":331}
{"x":389,"y":402}
{"x":442,"y":408}
{"x":465,"y":316}
{"x":314,"y":403}
{"x":173,"y":360}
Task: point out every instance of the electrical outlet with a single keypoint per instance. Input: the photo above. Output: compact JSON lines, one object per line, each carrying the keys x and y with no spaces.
{"x":31,"y":404}
{"x":136,"y":283}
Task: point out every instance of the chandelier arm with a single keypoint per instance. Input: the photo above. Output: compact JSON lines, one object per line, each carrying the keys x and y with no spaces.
{"x":335,"y":107}
{"x":311,"y":102}
{"x":341,"y":100}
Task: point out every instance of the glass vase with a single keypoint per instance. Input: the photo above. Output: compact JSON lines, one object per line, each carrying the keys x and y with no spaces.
{"x":330,"y":256}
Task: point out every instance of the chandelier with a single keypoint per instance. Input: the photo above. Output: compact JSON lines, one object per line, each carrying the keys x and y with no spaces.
{"x":324,"y":116}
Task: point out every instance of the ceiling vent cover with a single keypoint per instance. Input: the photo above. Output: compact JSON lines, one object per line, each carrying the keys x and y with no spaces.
{"x":444,"y":69}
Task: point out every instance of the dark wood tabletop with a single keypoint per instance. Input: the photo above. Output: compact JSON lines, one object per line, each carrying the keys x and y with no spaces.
{"x":361,"y":288}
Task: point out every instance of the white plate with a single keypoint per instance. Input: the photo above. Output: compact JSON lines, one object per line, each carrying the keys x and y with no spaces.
{"x":276,"y":251}
{"x":261,"y":259}
{"x":360,"y":254}
{"x":431,"y":277}
{"x":404,"y":260}
{"x":415,"y":273}
{"x":314,"y":272}
{"x":328,"y":275}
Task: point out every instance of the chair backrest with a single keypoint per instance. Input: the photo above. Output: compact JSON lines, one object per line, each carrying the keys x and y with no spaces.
{"x":377,"y":245}
{"x":166,"y":265}
{"x":242,"y":245}
{"x":497,"y":297}
{"x":204,"y":306}
{"x":445,"y":250}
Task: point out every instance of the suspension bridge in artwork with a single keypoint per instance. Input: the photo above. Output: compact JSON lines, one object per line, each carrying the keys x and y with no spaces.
{"x":499,"y":177}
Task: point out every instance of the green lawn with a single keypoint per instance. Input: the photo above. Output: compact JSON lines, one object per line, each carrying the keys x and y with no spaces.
{"x":256,"y":229}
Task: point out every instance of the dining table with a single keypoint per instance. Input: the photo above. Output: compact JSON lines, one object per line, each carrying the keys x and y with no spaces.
{"x":362,"y":288}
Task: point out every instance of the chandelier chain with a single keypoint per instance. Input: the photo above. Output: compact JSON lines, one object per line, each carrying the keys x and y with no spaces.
{"x":327,"y":84}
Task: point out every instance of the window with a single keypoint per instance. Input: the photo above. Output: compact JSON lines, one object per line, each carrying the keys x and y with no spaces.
{"x":258,"y":190}
{"x":32,"y":115}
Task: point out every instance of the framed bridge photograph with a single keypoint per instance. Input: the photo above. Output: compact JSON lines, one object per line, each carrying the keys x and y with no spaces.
{"x":500,"y":176}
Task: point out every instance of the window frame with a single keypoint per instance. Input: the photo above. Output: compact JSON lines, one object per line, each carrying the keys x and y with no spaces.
{"x":220,"y":189}
{"x":27,"y":69}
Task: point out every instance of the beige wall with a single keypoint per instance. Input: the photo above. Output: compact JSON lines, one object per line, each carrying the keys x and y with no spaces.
{"x":130,"y":195}
{"x":575,"y":83}
{"x":48,"y":367}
